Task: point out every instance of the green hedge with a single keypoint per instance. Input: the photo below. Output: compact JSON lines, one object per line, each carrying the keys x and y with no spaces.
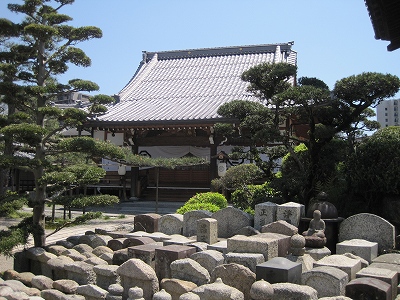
{"x":210,"y":201}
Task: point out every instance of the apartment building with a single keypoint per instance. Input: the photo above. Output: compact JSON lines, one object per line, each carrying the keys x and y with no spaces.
{"x":387,"y":113}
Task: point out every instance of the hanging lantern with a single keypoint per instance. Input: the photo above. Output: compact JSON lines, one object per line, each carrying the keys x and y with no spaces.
{"x":221,"y":169}
{"x":121,"y":170}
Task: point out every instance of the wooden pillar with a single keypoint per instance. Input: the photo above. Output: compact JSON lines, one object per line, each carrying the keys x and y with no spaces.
{"x":213,"y":161}
{"x":135,"y":174}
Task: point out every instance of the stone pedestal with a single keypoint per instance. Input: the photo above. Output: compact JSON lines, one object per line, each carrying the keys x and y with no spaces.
{"x":362,"y":248}
{"x":279,"y":269}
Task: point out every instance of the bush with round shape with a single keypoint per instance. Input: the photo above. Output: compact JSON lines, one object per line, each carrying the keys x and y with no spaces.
{"x":210,"y":201}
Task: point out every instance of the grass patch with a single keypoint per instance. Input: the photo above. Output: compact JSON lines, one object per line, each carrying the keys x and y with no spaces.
{"x":121,"y":217}
{"x":19,"y":214}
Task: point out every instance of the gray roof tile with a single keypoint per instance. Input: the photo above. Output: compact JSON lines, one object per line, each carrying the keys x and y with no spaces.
{"x":190,"y":85}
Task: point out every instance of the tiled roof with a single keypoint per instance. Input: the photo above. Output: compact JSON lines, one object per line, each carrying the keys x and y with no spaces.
{"x":190,"y":85}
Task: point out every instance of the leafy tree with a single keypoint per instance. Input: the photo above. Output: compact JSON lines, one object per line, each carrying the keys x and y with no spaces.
{"x":34,"y":53}
{"x":373,"y":172}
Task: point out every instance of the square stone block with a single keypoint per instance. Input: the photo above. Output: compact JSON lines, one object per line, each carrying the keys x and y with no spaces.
{"x":249,"y":260}
{"x":146,"y":252}
{"x":362,"y":248}
{"x":207,"y":230}
{"x":290,"y":212}
{"x":279,"y":269}
{"x":164,"y":256}
{"x":254,"y":244}
{"x":385,"y":275}
{"x":283,"y":242}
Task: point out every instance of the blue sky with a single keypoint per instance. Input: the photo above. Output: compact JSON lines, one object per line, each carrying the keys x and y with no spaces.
{"x":333,"y":38}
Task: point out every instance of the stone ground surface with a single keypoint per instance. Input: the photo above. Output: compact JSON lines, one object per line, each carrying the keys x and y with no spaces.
{"x":114,"y":213}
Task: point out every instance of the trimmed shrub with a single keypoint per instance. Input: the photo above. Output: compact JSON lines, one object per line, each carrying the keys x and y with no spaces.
{"x":210,"y":201}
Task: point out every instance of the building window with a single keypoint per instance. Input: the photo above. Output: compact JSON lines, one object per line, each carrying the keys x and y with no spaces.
{"x":395,"y":102}
{"x":395,"y":108}
{"x":385,"y":108}
{"x":385,"y":114}
{"x":386,"y":120}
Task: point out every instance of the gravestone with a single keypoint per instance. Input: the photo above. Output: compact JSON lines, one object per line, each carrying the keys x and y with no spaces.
{"x":279,"y":269}
{"x":368,"y":227}
{"x":106,"y":275}
{"x":348,"y":265}
{"x":221,"y":246}
{"x":189,"y":270}
{"x":264,"y":213}
{"x":286,"y":290}
{"x":327,"y":281}
{"x":281,"y":227}
{"x":290,"y":212}
{"x":253,"y":244}
{"x":362,"y":248}
{"x":368,"y":288}
{"x":171,"y":224}
{"x":217,"y":290}
{"x":189,"y":221}
{"x":385,"y":275}
{"x":231,"y":220}
{"x":207,"y":230}
{"x":176,"y":287}
{"x":209,"y":259}
{"x":249,"y":260}
{"x":147,"y":222}
{"x":164,"y":256}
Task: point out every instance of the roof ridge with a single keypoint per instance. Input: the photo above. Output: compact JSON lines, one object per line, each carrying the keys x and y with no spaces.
{"x":217,"y":51}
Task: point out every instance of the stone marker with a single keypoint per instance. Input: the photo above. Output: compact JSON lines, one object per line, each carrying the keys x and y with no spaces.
{"x":368,"y":227}
{"x":362,"y":248}
{"x":368,"y":288}
{"x":348,"y":265}
{"x":106,"y":275}
{"x":207,"y":230}
{"x":290,"y":212}
{"x":189,"y":221}
{"x":171,"y":224}
{"x":166,"y":255}
{"x":80,"y":272}
{"x":279,"y":269}
{"x":264,"y":213}
{"x":327,"y":281}
{"x":385,"y":275}
{"x":147,"y":222}
{"x":146,"y":252}
{"x":231,"y":220}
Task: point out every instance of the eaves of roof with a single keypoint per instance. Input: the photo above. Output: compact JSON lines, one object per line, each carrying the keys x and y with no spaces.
{"x":189,"y":86}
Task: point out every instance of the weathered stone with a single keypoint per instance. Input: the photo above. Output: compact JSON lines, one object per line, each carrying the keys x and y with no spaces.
{"x":297,"y":245}
{"x":116,"y":244}
{"x":189,"y":221}
{"x":264,"y":213}
{"x":177,"y":287}
{"x":235,"y":275}
{"x":166,"y":255}
{"x":135,"y":241}
{"x":368,"y":288}
{"x":230,"y":220}
{"x":119,"y":257}
{"x":261,"y":290}
{"x":24,"y":277}
{"x":52,"y":294}
{"x":99,"y":250}
{"x":306,"y":261}
{"x":208,"y":259}
{"x":221,"y":246}
{"x":385,"y":275}
{"x":207,"y":230}
{"x":91,"y":292}
{"x":283,"y":242}
{"x":18,"y":296}
{"x":189,"y":296}
{"x":247,"y":231}
{"x":171,"y":224}
{"x":253,"y":244}
{"x":80,"y":272}
{"x":116,"y":289}
{"x":162,"y":295}
{"x":42,"y":282}
{"x":106,"y":275}
{"x":56,"y":249}
{"x":108,"y":257}
{"x":389,"y":258}
{"x":65,"y":244}
{"x":327,"y":281}
{"x":135,"y":272}
{"x":190,"y":270}
{"x":279,"y":269}
{"x":318,"y":253}
{"x":66,"y":286}
{"x":364,"y":263}
{"x":57,"y":267}
{"x":284,"y":291}
{"x":218,"y":291}
{"x":100,"y":240}
{"x":368,"y":227}
{"x":82,"y":248}
{"x":348,"y":265}
{"x":75,"y":255}
{"x":177,"y":239}
{"x":362,"y":248}
{"x":281,"y":227}
{"x":145,"y":252}
{"x":249,"y":260}
{"x":18,"y":286}
{"x":95,"y":261}
{"x":290,"y":212}
{"x":147,"y":222}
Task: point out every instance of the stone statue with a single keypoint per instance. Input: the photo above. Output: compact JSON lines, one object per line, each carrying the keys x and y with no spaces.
{"x":315,"y":235}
